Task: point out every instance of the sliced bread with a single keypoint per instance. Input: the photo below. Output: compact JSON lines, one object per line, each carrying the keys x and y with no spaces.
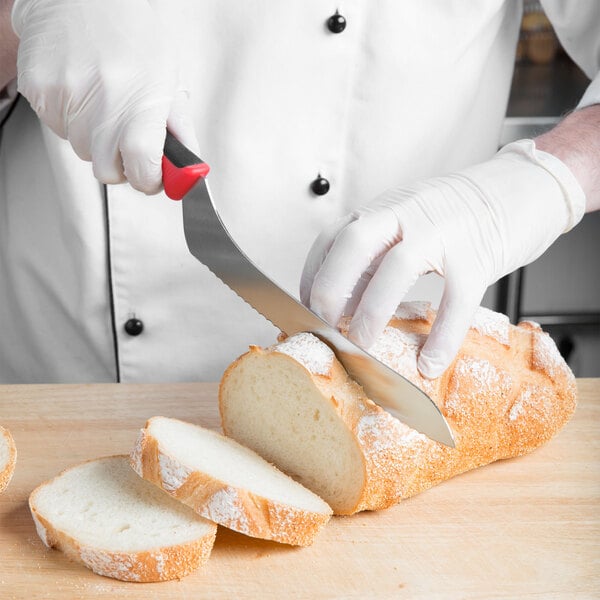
{"x":507,"y":392}
{"x":227,"y":483}
{"x":103,"y":515}
{"x":8,"y":458}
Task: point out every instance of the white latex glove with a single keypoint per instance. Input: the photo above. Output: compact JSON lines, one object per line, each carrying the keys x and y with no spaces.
{"x":471,"y":227}
{"x":104,"y":75}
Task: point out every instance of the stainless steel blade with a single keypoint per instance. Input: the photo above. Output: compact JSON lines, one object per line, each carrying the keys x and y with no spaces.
{"x":210,"y":242}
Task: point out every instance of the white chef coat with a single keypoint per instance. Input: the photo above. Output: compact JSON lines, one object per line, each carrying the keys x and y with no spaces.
{"x":407,"y":90}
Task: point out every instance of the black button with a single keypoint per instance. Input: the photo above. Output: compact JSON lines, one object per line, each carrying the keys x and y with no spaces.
{"x":336,"y":23}
{"x":320,"y":186}
{"x":134,"y":327}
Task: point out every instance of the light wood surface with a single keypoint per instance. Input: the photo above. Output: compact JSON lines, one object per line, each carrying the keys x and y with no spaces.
{"x":523,"y":528}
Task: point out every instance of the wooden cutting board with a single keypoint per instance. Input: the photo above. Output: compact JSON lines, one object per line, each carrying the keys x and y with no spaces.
{"x":528,"y":527}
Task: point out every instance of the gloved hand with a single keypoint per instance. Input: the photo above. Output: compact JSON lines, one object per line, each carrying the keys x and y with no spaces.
{"x":103,"y":74}
{"x":471,"y":227}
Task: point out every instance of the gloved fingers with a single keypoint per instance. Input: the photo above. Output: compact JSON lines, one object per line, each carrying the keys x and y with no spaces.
{"x":399,"y":270}
{"x":80,"y":136}
{"x":141,"y":145}
{"x":106,"y":85}
{"x":107,"y":164}
{"x":361,"y":286}
{"x":459,"y":302}
{"x":354,"y":249}
{"x":317,"y":254}
{"x":180,"y":122}
{"x":45,"y":96}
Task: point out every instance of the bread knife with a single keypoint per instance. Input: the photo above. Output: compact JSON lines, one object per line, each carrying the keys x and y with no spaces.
{"x":184,"y":177}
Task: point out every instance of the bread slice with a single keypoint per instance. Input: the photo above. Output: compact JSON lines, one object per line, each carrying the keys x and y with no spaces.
{"x":8,"y":458}
{"x":100,"y":513}
{"x":227,"y":483}
{"x":507,"y":392}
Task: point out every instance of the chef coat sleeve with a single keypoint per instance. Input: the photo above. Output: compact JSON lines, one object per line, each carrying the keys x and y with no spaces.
{"x":577,"y":25}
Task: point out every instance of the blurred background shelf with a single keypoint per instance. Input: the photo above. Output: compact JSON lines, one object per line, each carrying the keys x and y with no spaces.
{"x":560,"y":290}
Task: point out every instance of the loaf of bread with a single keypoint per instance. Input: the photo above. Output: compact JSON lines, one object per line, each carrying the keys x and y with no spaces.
{"x":8,"y":458}
{"x":227,"y":483}
{"x":507,"y":392}
{"x":100,"y":513}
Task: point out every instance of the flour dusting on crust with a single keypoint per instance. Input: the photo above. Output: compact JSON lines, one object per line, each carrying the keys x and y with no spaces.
{"x":172,"y":473}
{"x":493,"y":324}
{"x":393,"y":452}
{"x":4,"y":449}
{"x":375,"y":427}
{"x":487,"y":387}
{"x":523,"y":403}
{"x":118,"y":566}
{"x":135,"y":458}
{"x":413,"y":311}
{"x":8,"y":457}
{"x":225,"y":508}
{"x":519,"y":408}
{"x":309,"y":351}
{"x":481,"y":371}
{"x":399,"y":350}
{"x":533,"y":400}
{"x":161,"y":560}
{"x":546,"y":356}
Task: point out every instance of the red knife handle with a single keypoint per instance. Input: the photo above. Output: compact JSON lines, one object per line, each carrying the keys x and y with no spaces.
{"x":181,"y":168}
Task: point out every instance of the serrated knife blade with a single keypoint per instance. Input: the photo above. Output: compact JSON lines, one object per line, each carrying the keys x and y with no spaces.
{"x":184,"y":175}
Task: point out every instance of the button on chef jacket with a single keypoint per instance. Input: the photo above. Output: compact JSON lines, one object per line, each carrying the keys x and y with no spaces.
{"x":405,"y":90}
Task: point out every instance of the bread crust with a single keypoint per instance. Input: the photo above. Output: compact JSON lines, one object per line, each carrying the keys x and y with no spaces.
{"x":9,"y":468}
{"x":159,"y":564}
{"x":235,"y":508}
{"x":507,"y":392}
